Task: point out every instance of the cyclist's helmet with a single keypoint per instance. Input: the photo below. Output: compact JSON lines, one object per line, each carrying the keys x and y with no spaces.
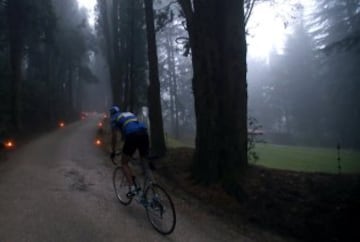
{"x":114,"y":109}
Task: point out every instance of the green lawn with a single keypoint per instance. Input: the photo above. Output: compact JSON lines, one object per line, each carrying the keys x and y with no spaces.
{"x":307,"y":159}
{"x":173,"y":143}
{"x":299,"y":158}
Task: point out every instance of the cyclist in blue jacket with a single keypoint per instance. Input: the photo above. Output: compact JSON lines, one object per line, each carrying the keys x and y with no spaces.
{"x":135,"y":137}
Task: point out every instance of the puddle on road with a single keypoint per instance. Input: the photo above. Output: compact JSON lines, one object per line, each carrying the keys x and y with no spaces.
{"x":77,"y":181}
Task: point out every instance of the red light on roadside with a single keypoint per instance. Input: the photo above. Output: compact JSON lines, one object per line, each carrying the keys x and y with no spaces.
{"x":61,"y":124}
{"x":9,"y":144}
{"x":98,"y":142}
{"x":100,"y":124}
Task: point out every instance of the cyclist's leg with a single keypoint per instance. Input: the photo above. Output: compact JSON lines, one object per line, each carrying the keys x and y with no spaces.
{"x":127,"y":152}
{"x":143,"y":146}
{"x":127,"y":170}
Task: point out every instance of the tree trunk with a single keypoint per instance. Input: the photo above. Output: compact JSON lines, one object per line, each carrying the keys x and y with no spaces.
{"x":218,"y":48}
{"x":50,"y":70}
{"x":170,"y":81}
{"x":173,"y":85}
{"x":16,"y":56}
{"x":155,"y":115}
{"x":117,"y":82}
{"x":129,"y":56}
{"x":126,"y":81}
{"x":132,"y":55}
{"x":132,"y":85}
{"x":110,"y":26}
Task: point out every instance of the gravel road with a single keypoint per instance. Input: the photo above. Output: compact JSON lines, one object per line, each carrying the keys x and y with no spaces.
{"x":58,"y":188}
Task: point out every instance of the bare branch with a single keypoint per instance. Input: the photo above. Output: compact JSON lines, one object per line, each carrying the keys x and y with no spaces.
{"x":248,"y":13}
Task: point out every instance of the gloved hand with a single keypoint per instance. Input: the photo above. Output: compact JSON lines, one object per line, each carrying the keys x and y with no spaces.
{"x":112,"y":155}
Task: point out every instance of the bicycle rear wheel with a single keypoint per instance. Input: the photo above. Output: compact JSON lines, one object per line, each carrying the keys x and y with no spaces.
{"x":121,"y":186}
{"x":160,"y":209}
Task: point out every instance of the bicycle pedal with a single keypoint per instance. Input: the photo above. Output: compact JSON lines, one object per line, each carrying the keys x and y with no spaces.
{"x":131,"y":194}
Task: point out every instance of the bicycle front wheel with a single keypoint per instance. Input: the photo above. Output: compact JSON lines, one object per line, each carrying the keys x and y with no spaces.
{"x":121,"y":186}
{"x":160,"y":209}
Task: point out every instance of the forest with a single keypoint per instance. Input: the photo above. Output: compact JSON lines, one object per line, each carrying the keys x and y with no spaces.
{"x":54,"y":65}
{"x":221,"y":77}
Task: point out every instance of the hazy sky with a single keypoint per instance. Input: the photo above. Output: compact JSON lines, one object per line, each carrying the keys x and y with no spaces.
{"x":270,"y":24}
{"x":266,"y":31}
{"x":89,"y":4}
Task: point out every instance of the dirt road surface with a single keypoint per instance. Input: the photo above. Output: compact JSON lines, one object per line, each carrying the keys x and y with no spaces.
{"x":59,"y":188}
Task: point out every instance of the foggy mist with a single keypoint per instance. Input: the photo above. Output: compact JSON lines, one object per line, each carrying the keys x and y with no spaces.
{"x":248,"y":111}
{"x":307,"y":92}
{"x":302,"y":73}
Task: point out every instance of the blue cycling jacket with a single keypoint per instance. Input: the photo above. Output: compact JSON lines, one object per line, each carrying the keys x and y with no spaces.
{"x":127,"y":122}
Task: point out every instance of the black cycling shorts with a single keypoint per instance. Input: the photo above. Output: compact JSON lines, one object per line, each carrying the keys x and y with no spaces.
{"x":138,"y":140}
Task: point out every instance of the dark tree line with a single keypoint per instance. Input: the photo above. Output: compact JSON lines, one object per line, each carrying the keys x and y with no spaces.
{"x":217,"y":48}
{"x":120,"y":28}
{"x":44,"y":55}
{"x":128,"y":34}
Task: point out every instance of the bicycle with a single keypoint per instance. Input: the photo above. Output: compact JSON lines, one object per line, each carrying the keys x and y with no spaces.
{"x":154,"y":198}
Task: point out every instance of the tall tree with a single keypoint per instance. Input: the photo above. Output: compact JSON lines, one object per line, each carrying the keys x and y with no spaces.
{"x":335,"y":27}
{"x":218,"y":47}
{"x":33,"y":61}
{"x":33,"y":28}
{"x":175,"y":80}
{"x":174,"y":103}
{"x":291,"y":77}
{"x":16,"y":41}
{"x":155,"y":115}
{"x":121,"y":26}
{"x":109,"y":25}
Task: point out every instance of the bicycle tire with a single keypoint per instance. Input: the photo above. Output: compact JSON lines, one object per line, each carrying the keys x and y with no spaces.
{"x":121,"y":186}
{"x":159,"y":203}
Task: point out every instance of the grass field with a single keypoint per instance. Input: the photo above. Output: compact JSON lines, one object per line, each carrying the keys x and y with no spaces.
{"x":300,"y":158}
{"x":174,"y":143}
{"x":307,"y":159}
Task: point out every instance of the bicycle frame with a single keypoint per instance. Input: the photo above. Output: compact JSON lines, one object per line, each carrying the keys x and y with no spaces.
{"x":145,"y":169}
{"x":151,"y":195}
{"x":147,"y":176}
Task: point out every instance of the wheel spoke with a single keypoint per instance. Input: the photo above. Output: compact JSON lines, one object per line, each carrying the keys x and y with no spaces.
{"x":160,"y":209}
